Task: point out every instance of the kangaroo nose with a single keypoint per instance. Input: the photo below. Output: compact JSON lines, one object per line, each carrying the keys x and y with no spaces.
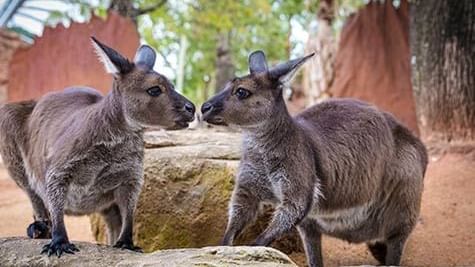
{"x":206,"y":107}
{"x":190,"y":108}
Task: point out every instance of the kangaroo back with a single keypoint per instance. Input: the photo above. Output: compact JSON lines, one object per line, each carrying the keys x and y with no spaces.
{"x":407,"y":147}
{"x":13,"y":118}
{"x":342,"y":167}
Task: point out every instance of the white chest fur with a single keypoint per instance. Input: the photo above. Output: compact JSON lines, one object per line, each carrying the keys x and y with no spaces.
{"x":341,"y":220}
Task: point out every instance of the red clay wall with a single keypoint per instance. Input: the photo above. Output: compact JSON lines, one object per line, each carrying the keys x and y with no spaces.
{"x":64,"y":57}
{"x":372,"y":61}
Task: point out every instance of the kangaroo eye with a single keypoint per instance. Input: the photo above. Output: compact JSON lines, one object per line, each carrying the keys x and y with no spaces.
{"x":154,"y":91}
{"x":242,"y":93}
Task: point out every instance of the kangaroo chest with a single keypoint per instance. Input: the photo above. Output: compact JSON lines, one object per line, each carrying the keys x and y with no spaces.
{"x":268,"y":168}
{"x":344,"y":219}
{"x":356,"y":224}
{"x":276,"y":174}
{"x":97,"y":177}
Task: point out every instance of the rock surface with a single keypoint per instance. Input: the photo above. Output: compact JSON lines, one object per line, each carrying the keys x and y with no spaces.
{"x":17,"y":251}
{"x":189,"y":177}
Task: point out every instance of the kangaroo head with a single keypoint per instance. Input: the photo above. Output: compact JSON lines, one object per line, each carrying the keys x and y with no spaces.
{"x":147,"y":97}
{"x":250,"y":100}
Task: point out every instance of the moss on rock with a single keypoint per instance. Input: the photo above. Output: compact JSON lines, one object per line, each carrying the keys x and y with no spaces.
{"x":185,"y":196}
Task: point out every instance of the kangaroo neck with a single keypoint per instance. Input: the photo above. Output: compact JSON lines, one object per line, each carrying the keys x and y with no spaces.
{"x":112,"y":116}
{"x":276,"y":131}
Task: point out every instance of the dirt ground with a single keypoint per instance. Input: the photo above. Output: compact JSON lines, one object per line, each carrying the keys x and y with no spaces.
{"x":16,"y":213}
{"x":445,"y":235}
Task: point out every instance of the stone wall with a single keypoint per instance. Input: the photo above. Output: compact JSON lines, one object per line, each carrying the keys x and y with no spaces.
{"x":9,"y":43}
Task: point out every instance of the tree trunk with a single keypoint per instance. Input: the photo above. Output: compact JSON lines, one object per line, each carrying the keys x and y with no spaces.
{"x":125,"y":8}
{"x":224,"y":63}
{"x":443,"y":57}
{"x":180,"y":72}
{"x":319,"y":75}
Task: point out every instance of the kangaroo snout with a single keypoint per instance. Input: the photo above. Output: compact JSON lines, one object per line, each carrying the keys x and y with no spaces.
{"x":206,"y":107}
{"x":183,"y":110}
{"x":188,"y":113}
{"x":190,"y":108}
{"x":212,"y":113}
{"x":185,"y":115}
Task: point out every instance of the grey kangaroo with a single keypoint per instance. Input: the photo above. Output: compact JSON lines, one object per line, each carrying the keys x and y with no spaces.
{"x":341,"y":168}
{"x":77,"y":152}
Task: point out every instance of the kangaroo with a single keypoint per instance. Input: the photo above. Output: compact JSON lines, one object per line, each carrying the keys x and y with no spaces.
{"x":342,"y":167}
{"x":77,"y":152}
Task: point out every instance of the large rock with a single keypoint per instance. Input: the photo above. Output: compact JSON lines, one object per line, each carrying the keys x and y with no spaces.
{"x":189,"y":177}
{"x":17,"y":251}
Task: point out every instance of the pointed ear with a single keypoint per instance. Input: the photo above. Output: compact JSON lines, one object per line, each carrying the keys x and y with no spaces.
{"x":114,"y":62}
{"x":284,"y":72}
{"x":257,"y":62}
{"x":145,"y":57}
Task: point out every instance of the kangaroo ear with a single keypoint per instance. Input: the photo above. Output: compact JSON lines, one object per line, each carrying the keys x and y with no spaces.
{"x":145,"y":57}
{"x":114,"y":62}
{"x":284,"y":72}
{"x":257,"y":62}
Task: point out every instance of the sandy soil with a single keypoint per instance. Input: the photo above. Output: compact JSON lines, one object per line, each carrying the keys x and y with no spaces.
{"x":16,"y":213}
{"x":445,"y":235}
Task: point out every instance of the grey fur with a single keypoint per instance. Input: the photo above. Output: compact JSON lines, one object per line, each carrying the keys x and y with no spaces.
{"x":342,"y":168}
{"x":286,"y":71}
{"x":76,"y":152}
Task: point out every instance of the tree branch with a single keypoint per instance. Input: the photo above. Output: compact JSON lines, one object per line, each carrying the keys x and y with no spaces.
{"x":149,"y":9}
{"x":165,"y":59}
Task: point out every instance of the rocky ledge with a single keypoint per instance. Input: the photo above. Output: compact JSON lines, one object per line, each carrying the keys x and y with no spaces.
{"x":189,"y":177}
{"x":17,"y":251}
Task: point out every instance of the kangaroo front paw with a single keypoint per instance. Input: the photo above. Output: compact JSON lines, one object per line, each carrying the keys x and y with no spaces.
{"x":127,"y":245}
{"x":59,"y":247}
{"x":39,"y":230}
{"x":261,"y":241}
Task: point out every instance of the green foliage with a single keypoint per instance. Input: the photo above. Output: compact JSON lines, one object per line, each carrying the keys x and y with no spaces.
{"x":252,"y":25}
{"x":79,"y":10}
{"x":276,"y":26}
{"x":345,"y":8}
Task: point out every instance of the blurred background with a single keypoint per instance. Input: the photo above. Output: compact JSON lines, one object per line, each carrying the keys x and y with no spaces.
{"x":201,"y":43}
{"x":415,"y":59}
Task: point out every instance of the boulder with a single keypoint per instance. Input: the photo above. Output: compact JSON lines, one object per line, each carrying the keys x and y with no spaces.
{"x":189,"y":178}
{"x":16,"y":251}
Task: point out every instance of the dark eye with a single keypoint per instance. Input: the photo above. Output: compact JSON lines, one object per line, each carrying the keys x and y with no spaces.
{"x":242,"y":93}
{"x":154,"y":91}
